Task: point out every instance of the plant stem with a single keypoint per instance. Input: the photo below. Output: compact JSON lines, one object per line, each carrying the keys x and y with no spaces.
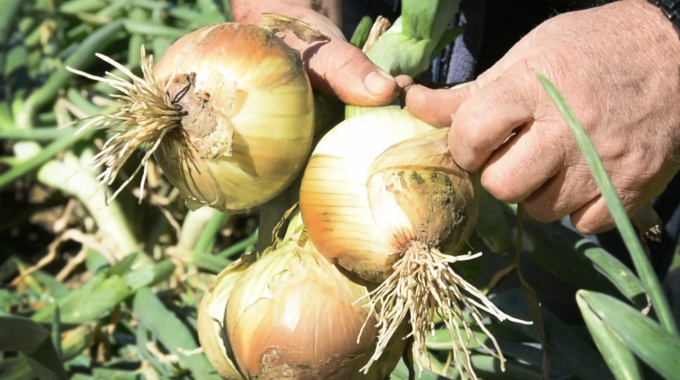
{"x":43,"y":133}
{"x":630,"y":238}
{"x":80,"y":59}
{"x":206,"y":239}
{"x":46,"y":154}
{"x":199,"y":229}
{"x":240,"y":246}
{"x":7,"y":20}
{"x":71,"y":177}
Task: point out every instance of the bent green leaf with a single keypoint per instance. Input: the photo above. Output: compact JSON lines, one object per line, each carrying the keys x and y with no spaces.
{"x":642,"y":335}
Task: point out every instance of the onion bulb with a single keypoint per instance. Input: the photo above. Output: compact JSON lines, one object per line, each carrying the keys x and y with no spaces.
{"x":210,"y":321}
{"x":227,"y":111}
{"x":294,"y":315}
{"x":383,"y":198}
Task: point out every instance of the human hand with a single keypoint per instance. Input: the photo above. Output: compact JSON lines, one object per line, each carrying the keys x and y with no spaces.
{"x":334,"y":67}
{"x":617,"y":65}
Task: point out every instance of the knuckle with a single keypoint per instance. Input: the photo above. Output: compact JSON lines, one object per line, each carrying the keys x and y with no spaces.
{"x":418,"y":96}
{"x":469,"y":129}
{"x":500,"y":186}
{"x":333,"y":58}
{"x":542,"y":210}
{"x":348,"y":61}
{"x":586,"y":228}
{"x":592,"y":222}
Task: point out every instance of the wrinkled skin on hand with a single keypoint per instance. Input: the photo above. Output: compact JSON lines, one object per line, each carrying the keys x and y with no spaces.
{"x":334,"y":67}
{"x":617,"y":65}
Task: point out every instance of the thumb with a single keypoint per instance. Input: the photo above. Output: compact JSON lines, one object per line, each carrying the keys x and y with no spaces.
{"x":435,"y":107}
{"x":339,"y":68}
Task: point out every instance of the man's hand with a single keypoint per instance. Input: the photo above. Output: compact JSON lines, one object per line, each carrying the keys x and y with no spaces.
{"x":617,"y":66}
{"x":335,"y":67}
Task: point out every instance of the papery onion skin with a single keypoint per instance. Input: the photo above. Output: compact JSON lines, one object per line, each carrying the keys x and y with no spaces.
{"x":210,"y":320}
{"x":250,"y":119}
{"x":420,"y":180}
{"x":334,"y":198}
{"x":327,"y":114}
{"x":293,"y":315}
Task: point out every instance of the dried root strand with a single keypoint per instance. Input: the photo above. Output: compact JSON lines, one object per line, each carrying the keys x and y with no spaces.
{"x":145,"y":115}
{"x":424,"y":285}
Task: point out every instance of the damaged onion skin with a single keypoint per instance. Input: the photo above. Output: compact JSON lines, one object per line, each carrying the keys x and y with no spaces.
{"x":248,"y":116}
{"x":210,"y":321}
{"x":294,"y":315}
{"x":210,"y":334}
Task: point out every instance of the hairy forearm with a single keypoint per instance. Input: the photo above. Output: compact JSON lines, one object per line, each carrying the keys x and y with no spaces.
{"x":250,"y":11}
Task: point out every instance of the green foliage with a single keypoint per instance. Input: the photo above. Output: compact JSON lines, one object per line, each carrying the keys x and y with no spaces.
{"x":617,"y":328}
{"x":49,"y":322}
{"x":170,"y":331}
{"x":361,"y":32}
{"x":35,"y":345}
{"x":131,"y":314}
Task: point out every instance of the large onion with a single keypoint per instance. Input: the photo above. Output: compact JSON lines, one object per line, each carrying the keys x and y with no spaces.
{"x":334,"y":199}
{"x":294,"y":315}
{"x":383,"y":198}
{"x":228,"y":111}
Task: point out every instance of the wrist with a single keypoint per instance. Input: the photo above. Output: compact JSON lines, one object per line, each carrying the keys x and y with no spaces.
{"x":652,"y":26}
{"x":671,"y":9}
{"x":654,"y":14}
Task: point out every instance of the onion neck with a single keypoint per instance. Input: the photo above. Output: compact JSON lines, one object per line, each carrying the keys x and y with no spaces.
{"x":408,"y":46}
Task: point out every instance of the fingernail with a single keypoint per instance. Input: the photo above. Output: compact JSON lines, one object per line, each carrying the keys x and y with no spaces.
{"x":378,"y":82}
{"x":460,"y":85}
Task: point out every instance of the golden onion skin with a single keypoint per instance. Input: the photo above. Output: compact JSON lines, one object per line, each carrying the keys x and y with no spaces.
{"x":249,"y":119}
{"x":334,"y":199}
{"x":293,"y":316}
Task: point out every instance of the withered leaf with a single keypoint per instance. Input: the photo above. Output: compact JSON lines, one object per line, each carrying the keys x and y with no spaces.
{"x":279,"y":23}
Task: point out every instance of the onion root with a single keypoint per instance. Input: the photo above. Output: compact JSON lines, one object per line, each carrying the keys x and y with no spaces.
{"x":424,"y":285}
{"x":145,"y":115}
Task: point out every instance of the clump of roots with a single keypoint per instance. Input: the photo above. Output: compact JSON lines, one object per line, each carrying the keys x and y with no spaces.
{"x":424,"y":285}
{"x":145,"y":115}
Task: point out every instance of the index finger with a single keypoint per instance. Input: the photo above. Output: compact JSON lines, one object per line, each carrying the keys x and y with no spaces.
{"x":485,"y":121}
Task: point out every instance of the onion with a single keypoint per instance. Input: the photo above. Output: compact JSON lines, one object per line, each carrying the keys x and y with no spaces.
{"x":210,"y":322}
{"x":333,"y":198}
{"x":294,"y":315}
{"x":228,"y":112}
{"x":382,"y":197}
